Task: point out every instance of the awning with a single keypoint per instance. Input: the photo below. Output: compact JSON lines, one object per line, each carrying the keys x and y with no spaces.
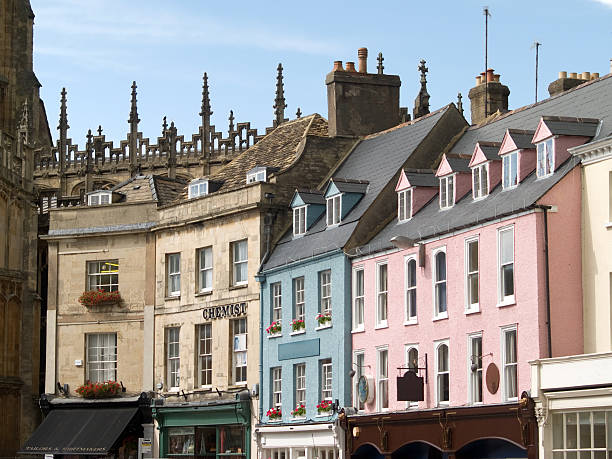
{"x":91,"y":431}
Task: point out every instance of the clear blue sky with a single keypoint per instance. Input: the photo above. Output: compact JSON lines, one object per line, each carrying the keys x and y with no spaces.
{"x":95,"y":48}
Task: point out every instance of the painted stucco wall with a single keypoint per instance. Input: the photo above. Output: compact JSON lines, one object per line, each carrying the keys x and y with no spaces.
{"x":527,"y":313}
{"x":596,"y":255}
{"x":334,"y":341}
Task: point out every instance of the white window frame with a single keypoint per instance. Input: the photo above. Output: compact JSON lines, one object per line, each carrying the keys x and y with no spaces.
{"x":205,"y":357}
{"x":545,"y":150}
{"x":299,"y":220}
{"x":438,"y":373}
{"x":505,"y":366}
{"x":276,"y":388}
{"x":103,"y":361}
{"x":276,"y":289}
{"x":508,"y":299}
{"x":325,"y":292}
{"x":447,"y":191}
{"x":410,"y":291}
{"x":358,"y":299}
{"x":437,"y":314}
{"x":334,"y":210}
{"x":237,"y":263}
{"x":404,"y":205}
{"x":508,"y":161}
{"x":564,"y":449}
{"x":100,"y":198}
{"x":259,"y":176}
{"x":299,"y":298}
{"x":472,"y":307}
{"x":382,"y":296}
{"x":359,"y":365}
{"x":407,"y":349}
{"x":173,"y":276}
{"x":239,"y":347}
{"x":96,"y":275}
{"x":480,"y":181}
{"x":197,"y":188}
{"x":326,"y":379}
{"x":299,"y":374}
{"x":382,"y":377}
{"x":173,"y":358}
{"x":205,"y":273}
{"x":473,"y":376}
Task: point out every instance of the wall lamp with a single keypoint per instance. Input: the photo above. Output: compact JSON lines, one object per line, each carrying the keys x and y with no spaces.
{"x":353,"y":372}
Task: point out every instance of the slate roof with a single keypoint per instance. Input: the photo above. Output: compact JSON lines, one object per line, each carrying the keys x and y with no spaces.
{"x":150,"y":188}
{"x":375,"y":160}
{"x":563,"y":125}
{"x":422,"y":179}
{"x":350,"y":186}
{"x":522,"y":138}
{"x":311,"y":196}
{"x":278,"y":149}
{"x":593,"y":99}
{"x":490,"y":150}
{"x":458,"y":164}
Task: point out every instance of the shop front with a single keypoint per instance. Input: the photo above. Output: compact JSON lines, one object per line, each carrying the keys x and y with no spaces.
{"x":489,"y":431}
{"x":212,"y":429}
{"x":295,"y":441}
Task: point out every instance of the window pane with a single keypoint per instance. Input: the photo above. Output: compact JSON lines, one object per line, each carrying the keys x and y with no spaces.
{"x":451,"y":195}
{"x":473,"y":256}
{"x":507,"y":246}
{"x":599,"y":430}
{"x":508,"y":280}
{"x":443,"y":357}
{"x":440,"y":266}
{"x":557,"y":422}
{"x":571,"y":436}
{"x":484,"y":181}
{"x":441,"y":297}
{"x":585,"y":429}
{"x":513,"y":169}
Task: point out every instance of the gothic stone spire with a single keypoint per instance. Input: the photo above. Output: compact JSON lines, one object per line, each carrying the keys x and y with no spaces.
{"x":62,"y":142}
{"x":460,"y":103}
{"x":24,"y":123}
{"x":133,"y":135}
{"x":279,"y":101}
{"x":421,"y":103}
{"x":205,"y":113}
{"x":134,"y":109}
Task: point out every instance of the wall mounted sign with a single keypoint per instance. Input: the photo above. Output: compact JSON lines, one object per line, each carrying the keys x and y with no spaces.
{"x":492,"y":378}
{"x":410,"y":387}
{"x":365,"y":387}
{"x":227,"y":310}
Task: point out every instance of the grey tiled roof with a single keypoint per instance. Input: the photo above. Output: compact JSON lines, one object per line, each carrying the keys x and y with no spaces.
{"x":350,"y":186}
{"x":422,"y":179}
{"x":459,"y":164}
{"x":522,"y":138}
{"x":375,"y":160}
{"x":311,"y":196}
{"x":490,"y":150}
{"x":563,"y":125}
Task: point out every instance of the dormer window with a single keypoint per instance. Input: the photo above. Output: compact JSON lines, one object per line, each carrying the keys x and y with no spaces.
{"x":546,"y":159}
{"x":334,"y":206}
{"x":198,"y":188}
{"x":447,"y":191}
{"x":510,"y":177}
{"x":99,"y":198}
{"x":404,"y":205}
{"x":257,"y":174}
{"x":480,"y":181}
{"x":299,"y":221}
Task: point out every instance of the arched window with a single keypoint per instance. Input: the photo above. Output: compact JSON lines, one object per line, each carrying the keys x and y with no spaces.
{"x":442,"y":374}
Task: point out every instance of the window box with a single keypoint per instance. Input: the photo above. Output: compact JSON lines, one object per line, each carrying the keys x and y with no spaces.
{"x":274,"y":414}
{"x":275,"y":328}
{"x":99,"y":390}
{"x":297,"y":325}
{"x":324,"y":320}
{"x":299,"y":411}
{"x":325,"y":406}
{"x":96,"y":298}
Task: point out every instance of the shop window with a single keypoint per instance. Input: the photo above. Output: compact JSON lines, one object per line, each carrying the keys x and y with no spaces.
{"x":239,"y":354}
{"x":215,"y":442}
{"x":103,"y":275}
{"x":581,"y":434}
{"x":205,"y":355}
{"x":101,"y":357}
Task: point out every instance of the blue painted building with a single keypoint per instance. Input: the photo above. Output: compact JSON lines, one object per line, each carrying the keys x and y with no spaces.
{"x":306,"y":320}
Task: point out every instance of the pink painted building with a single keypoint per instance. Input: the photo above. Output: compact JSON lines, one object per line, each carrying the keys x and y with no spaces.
{"x":477,"y":274}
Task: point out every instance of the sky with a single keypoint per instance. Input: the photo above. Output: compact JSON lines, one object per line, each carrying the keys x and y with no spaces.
{"x":96,"y":48}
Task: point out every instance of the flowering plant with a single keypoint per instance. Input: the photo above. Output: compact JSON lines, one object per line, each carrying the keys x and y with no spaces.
{"x":93,"y":298}
{"x":274,"y":328}
{"x":324,"y":318}
{"x":298,"y":324}
{"x":274,"y":413}
{"x":324,"y":406}
{"x":99,"y":390}
{"x":300,"y":410}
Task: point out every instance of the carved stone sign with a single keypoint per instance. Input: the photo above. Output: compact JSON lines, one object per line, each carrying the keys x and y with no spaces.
{"x":227,"y":310}
{"x":410,"y":387}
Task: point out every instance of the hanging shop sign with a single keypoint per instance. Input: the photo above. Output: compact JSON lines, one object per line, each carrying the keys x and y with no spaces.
{"x":227,"y":310}
{"x":365,"y":389}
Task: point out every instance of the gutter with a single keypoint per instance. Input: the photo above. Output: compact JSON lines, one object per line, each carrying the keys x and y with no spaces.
{"x":545,"y":209}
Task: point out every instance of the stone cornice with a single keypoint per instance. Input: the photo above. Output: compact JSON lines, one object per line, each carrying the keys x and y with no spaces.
{"x":593,"y":152}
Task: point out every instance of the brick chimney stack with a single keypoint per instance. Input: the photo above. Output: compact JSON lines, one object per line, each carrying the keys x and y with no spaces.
{"x":361,"y":103}
{"x":565,"y":82}
{"x":497,"y":96}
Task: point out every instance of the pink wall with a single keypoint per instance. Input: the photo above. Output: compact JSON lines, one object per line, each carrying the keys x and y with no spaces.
{"x":495,"y":173}
{"x":527,"y":160}
{"x":565,"y":264}
{"x":421,"y":195}
{"x":562,"y":143}
{"x":528,"y":311}
{"x":463,"y":184}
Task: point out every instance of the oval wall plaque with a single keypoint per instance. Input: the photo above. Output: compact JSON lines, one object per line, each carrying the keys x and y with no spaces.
{"x":492,"y":378}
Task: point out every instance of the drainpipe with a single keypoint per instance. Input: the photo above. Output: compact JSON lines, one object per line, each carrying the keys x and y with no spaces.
{"x":545,"y":209}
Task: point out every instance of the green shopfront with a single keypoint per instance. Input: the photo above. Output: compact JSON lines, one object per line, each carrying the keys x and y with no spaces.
{"x":205,"y":430}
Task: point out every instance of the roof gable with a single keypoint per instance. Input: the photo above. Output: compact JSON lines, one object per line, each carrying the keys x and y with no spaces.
{"x":304,"y":197}
{"x":483,"y":152}
{"x":412,"y":179}
{"x":450,"y":165}
{"x":565,"y":125}
{"x":516,"y":139}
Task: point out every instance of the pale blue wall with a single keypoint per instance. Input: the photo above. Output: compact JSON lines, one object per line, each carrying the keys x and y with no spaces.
{"x":334,"y":342}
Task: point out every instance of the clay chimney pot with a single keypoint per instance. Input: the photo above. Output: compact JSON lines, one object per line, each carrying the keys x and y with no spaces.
{"x":490,"y":75}
{"x":362,"y":55}
{"x":478,"y":80}
{"x":594,"y":75}
{"x":496,"y":78}
{"x":562,"y":75}
{"x":337,"y":66}
{"x":350,"y":66}
{"x":586,"y":75}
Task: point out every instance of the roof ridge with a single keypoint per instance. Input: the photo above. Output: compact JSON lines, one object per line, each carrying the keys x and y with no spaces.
{"x":407,"y":123}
